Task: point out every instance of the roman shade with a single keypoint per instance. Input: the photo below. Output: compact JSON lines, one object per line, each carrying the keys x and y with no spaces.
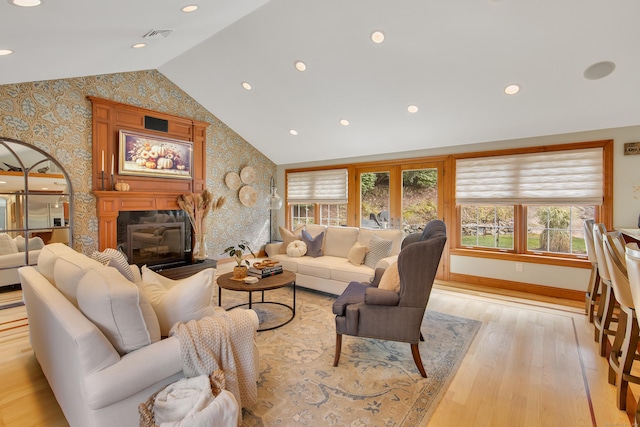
{"x":567,"y":177}
{"x":322,"y":186}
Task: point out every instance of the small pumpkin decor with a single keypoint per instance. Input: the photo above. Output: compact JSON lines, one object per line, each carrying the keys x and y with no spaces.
{"x":237,"y":252}
{"x":296,"y":249}
{"x":122,"y":186}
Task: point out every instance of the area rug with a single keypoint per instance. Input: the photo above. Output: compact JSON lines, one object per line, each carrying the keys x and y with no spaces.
{"x":376,"y":382}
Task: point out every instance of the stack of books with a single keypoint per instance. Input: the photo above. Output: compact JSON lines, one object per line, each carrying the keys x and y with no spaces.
{"x":265,"y":272}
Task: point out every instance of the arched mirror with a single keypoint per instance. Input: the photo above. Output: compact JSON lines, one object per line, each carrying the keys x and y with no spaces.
{"x":35,"y":206}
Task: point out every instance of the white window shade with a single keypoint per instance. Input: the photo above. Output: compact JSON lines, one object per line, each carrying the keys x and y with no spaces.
{"x":324,"y":186}
{"x":571,"y":177}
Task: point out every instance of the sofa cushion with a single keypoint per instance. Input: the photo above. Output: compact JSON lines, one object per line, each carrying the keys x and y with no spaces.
{"x":378,"y":248}
{"x":114,"y":258}
{"x":68,"y":270}
{"x":339,"y":240}
{"x":343,"y":271}
{"x":8,"y":246}
{"x":318,"y":267}
{"x":113,"y":304}
{"x":314,"y":244}
{"x":48,"y":256}
{"x":357,"y":253}
{"x":390,"y":279}
{"x":365,"y":235}
{"x":184,"y":300}
{"x":35,"y":243}
{"x":289,"y":236}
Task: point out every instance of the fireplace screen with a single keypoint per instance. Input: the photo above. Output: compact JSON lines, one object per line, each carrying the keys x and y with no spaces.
{"x":155,"y":243}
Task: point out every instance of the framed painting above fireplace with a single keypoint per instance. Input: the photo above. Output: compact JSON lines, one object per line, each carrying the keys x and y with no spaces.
{"x":154,"y":156}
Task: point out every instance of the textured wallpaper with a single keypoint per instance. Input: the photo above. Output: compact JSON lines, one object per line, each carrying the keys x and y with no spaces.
{"x":55,"y":116}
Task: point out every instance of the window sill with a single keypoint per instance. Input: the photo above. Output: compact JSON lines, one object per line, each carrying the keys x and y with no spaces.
{"x":534,"y":259}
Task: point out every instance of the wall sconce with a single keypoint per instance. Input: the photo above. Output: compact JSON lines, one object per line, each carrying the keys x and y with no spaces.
{"x":275,"y":203}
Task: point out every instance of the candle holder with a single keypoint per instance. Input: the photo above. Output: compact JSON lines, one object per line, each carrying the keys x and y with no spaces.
{"x":102,"y":180}
{"x":113,"y":183}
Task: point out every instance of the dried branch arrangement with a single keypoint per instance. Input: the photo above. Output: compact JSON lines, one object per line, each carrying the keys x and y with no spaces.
{"x":198,"y":206}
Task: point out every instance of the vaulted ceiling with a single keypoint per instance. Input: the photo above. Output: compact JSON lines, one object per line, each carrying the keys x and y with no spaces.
{"x":450,"y":59}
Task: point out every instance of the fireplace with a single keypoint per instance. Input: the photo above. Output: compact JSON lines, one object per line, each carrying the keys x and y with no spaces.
{"x":157,"y":239}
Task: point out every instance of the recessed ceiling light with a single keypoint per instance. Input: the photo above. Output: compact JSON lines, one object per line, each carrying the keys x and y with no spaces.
{"x":3,"y":182}
{"x":139,"y":45}
{"x":300,"y":66}
{"x":599,"y":70}
{"x":5,"y":52}
{"x":512,"y":89}
{"x":246,"y":85}
{"x":412,"y":108}
{"x":190,"y":8}
{"x":377,"y":37}
{"x":45,"y":188}
{"x":25,"y":3}
{"x":293,"y":132}
{"x":344,"y":122}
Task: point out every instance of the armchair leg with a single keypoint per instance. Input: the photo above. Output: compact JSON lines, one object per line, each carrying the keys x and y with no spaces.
{"x":421,"y":337}
{"x":415,"y":351}
{"x":338,"y":349}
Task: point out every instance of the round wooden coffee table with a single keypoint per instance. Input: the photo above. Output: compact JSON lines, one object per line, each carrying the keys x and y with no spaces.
{"x":277,"y":281}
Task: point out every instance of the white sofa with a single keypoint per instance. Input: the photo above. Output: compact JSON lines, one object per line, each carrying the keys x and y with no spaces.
{"x":332,"y":271}
{"x":94,"y":383}
{"x":13,"y":256}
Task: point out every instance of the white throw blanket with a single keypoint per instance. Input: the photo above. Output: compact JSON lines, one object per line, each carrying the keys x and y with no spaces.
{"x":189,"y":402}
{"x":223,"y":341}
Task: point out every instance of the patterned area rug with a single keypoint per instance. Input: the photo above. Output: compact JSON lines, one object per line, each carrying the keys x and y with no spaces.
{"x":376,"y":382}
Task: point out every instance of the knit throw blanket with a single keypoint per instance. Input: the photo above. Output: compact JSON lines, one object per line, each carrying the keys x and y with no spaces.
{"x":222,"y":341}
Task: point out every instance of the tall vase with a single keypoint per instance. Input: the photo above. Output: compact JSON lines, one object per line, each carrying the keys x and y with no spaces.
{"x":199,"y":253}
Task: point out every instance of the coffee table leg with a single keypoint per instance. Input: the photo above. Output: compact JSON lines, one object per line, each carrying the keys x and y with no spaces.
{"x":250,"y":293}
{"x":219,"y":296}
{"x":294,"y":298}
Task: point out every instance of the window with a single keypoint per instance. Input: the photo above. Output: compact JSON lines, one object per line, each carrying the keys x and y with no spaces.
{"x":301,"y":214}
{"x":557,"y":229}
{"x":534,"y":203}
{"x":333,"y":214}
{"x":487,"y":226}
{"x":318,"y":196}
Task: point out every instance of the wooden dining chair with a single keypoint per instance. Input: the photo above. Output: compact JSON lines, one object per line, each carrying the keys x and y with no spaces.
{"x":632,"y":258}
{"x":592,"y":296}
{"x":625,"y":344}
{"x":605,"y":315}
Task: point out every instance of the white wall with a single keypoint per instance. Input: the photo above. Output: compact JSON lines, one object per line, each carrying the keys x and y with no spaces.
{"x":626,"y":201}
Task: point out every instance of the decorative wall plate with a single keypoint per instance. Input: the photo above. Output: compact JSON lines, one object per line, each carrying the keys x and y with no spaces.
{"x":248,"y":175}
{"x":248,"y":196}
{"x":232,"y":179}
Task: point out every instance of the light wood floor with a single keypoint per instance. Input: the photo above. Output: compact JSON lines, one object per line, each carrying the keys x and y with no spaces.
{"x":533,"y":363}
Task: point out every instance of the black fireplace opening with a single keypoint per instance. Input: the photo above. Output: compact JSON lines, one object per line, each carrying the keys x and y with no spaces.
{"x":157,"y":239}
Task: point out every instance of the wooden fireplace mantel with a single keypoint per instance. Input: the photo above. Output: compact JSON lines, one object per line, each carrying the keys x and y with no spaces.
{"x":146,"y":193}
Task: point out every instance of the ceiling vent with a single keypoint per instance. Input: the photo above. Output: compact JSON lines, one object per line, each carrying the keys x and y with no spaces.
{"x":156,"y":34}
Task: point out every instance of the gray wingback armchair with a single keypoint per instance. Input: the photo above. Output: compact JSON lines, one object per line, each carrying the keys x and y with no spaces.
{"x":364,"y":310}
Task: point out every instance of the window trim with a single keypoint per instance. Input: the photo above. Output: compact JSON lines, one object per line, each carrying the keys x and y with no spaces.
{"x":603,"y":213}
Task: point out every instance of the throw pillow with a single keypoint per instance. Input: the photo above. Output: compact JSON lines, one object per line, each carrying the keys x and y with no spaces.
{"x":357,"y":253}
{"x":378,"y":248}
{"x":288,"y":237}
{"x":114,"y":258}
{"x":7,"y":245}
{"x":296,"y":249}
{"x":113,"y":304}
{"x":390,"y":279}
{"x":314,"y":244}
{"x":35,"y":243}
{"x":188,"y":299}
